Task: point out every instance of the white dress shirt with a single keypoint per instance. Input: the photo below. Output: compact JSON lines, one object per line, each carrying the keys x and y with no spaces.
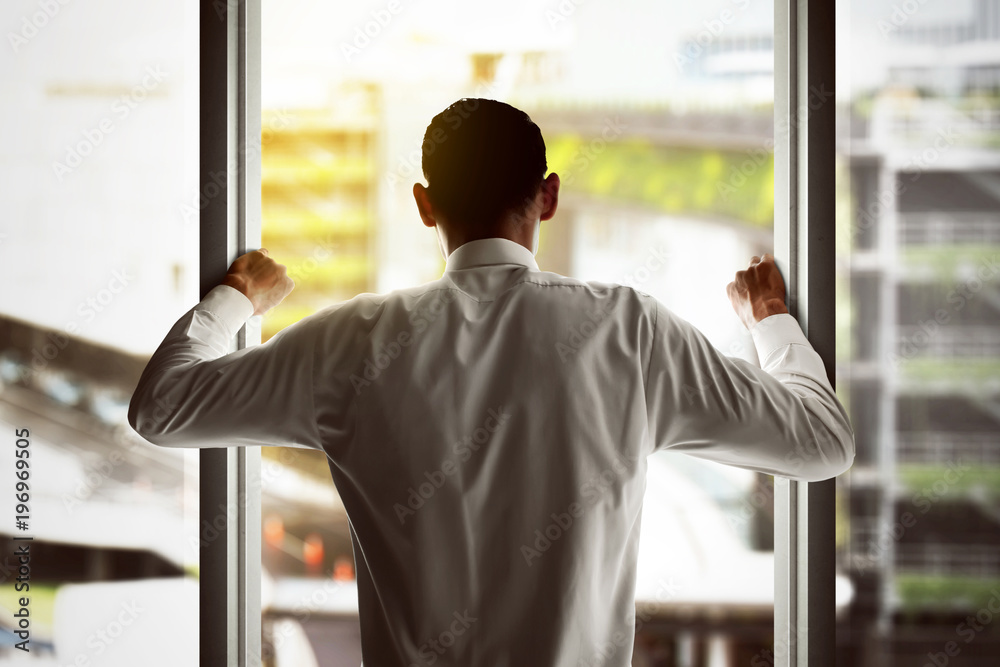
{"x":488,"y":434}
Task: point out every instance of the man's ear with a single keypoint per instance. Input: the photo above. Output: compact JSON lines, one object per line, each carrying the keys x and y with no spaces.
{"x":550,"y":196}
{"x":424,"y":207}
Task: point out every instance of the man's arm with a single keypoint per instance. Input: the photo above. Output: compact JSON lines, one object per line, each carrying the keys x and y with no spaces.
{"x":783,"y":418}
{"x":192,"y":393}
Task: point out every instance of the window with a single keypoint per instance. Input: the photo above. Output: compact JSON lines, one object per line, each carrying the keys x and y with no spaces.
{"x":98,"y":255}
{"x":917,"y":357}
{"x":688,"y":163}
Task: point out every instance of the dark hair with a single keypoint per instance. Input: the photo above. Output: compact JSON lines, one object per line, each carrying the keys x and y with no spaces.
{"x":482,"y":160}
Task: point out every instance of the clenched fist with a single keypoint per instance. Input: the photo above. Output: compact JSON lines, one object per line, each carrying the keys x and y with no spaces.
{"x":260,"y":279}
{"x":758,"y":292}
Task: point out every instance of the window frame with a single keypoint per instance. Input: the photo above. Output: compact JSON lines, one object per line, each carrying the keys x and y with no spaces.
{"x":804,"y":233}
{"x":230,"y":125}
{"x":229,"y":224}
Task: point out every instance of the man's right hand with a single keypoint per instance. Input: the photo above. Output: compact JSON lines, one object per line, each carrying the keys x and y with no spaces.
{"x":758,"y":292}
{"x":260,"y":279}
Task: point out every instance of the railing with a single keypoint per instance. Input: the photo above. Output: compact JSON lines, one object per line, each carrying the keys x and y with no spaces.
{"x":942,"y":448}
{"x":870,"y":544}
{"x":741,"y":130}
{"x":915,"y":122}
{"x":948,"y":341}
{"x":974,"y":560}
{"x":949,"y":228}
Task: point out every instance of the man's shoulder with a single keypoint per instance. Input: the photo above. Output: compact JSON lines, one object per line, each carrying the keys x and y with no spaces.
{"x":370,"y":305}
{"x":364,"y":310}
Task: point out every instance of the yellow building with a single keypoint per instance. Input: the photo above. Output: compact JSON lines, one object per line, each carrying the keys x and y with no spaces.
{"x":319,"y":192}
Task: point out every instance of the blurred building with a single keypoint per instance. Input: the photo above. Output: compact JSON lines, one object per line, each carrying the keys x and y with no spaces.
{"x":319,"y":187}
{"x":922,"y":373}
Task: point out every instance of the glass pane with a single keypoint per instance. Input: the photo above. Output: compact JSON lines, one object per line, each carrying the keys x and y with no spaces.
{"x":918,"y":345}
{"x":658,"y":118}
{"x":98,"y":257}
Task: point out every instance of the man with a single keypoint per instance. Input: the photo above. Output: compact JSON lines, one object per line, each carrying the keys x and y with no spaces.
{"x":464,"y":418}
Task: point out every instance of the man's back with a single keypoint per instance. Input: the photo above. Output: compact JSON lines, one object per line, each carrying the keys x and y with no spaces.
{"x":491,"y":457}
{"x":488,"y":433}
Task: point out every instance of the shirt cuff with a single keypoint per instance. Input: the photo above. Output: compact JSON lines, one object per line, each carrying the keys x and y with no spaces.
{"x":228,"y":304}
{"x":775,"y":332}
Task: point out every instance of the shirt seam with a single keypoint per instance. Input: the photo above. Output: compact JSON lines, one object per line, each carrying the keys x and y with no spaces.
{"x":530,"y":282}
{"x":312,"y":394}
{"x":200,"y":307}
{"x":790,"y":344}
{"x":649,"y":360}
{"x":212,"y":312}
{"x":651,"y":437}
{"x":503,"y":263}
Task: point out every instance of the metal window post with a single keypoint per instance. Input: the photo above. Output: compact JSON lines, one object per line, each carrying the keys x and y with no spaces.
{"x":804,"y":114}
{"x":229,"y":529}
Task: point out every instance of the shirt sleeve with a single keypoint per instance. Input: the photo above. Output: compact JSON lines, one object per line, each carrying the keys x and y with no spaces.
{"x":782,"y":418}
{"x":195,"y":393}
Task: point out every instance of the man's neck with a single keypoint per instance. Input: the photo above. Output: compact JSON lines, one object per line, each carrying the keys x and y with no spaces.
{"x":521,"y":233}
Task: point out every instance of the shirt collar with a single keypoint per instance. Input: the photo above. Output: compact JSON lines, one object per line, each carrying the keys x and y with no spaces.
{"x":483,"y":252}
